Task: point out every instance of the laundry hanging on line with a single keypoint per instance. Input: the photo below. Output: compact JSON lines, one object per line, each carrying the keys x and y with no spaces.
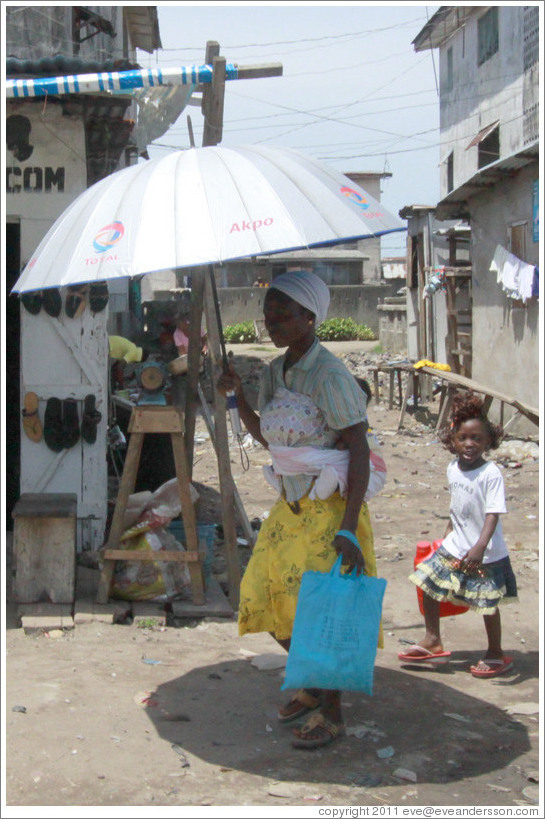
{"x":516,"y":277}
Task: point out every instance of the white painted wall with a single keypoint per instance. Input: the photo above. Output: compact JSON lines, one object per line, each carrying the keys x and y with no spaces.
{"x":58,"y":150}
{"x":60,"y":357}
{"x":68,"y":358}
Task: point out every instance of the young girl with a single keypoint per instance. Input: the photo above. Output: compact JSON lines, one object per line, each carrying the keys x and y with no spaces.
{"x":472,"y":566}
{"x":181,"y":334}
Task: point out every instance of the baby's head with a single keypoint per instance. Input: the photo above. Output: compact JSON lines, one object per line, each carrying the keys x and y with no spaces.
{"x":469,"y":407}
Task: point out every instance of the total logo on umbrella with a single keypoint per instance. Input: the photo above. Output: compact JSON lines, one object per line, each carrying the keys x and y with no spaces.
{"x":108,"y":237}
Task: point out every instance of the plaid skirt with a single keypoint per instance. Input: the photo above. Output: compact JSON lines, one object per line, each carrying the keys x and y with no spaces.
{"x":481,"y":591}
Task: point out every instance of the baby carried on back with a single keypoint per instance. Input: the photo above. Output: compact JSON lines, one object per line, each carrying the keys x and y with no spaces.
{"x":328,"y":465}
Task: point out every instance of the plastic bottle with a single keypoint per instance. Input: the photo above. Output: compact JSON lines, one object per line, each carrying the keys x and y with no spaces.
{"x":423,"y":550}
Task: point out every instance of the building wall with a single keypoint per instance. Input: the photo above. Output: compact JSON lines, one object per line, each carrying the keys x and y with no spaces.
{"x":359,"y":302}
{"x":480,"y":95}
{"x":393,"y":326}
{"x":370,"y":247}
{"x":432,"y":311}
{"x":46,"y":169}
{"x":35,"y":32}
{"x":505,"y":333}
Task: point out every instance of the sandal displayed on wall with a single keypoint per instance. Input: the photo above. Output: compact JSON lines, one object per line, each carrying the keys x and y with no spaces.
{"x":33,"y":302}
{"x":90,"y":420}
{"x":31,"y":421}
{"x":53,"y":424}
{"x":52,"y":302}
{"x":76,"y":301}
{"x":70,"y":423}
{"x":98,"y":296}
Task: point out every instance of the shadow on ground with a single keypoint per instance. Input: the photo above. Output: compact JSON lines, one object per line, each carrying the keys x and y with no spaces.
{"x":225,"y":714}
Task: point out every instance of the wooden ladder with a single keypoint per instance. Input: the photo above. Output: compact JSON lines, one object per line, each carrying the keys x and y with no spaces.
{"x":153,"y":419}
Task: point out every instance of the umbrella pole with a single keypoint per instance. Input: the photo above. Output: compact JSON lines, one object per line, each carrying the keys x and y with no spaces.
{"x":193,"y":361}
{"x":218,"y":358}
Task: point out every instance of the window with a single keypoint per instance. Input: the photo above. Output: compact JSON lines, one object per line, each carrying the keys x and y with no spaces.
{"x":488,"y":38}
{"x":516,"y":239}
{"x":489,"y":148}
{"x":450,"y":172}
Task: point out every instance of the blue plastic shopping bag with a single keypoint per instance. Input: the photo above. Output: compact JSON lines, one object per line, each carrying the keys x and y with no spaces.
{"x":336,"y":630}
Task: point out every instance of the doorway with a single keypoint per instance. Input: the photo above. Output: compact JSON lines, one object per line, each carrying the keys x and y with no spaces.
{"x":13,"y":349}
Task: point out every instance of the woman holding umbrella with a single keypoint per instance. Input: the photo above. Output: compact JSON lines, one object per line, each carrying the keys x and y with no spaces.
{"x":310,"y":406}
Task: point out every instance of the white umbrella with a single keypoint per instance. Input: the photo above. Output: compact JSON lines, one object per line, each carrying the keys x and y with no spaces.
{"x":202,"y":206}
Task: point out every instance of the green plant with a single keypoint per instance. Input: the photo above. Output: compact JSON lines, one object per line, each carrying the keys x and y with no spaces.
{"x":344,"y":329}
{"x":148,"y":622}
{"x":243,"y":333}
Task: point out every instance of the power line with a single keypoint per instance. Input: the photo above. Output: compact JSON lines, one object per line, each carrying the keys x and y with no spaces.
{"x":346,"y":35}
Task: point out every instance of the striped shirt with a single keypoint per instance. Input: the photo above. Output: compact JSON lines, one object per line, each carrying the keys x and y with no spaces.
{"x":327,"y":381}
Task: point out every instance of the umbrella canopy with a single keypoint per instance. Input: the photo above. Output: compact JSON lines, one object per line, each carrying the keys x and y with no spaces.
{"x":202,"y":206}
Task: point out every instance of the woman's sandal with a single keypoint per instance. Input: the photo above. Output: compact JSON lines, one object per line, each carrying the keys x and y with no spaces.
{"x":300,"y":704}
{"x":76,"y":301}
{"x":31,"y":421}
{"x":90,"y":420}
{"x":53,"y":435}
{"x":317,"y":732}
{"x":70,"y":423}
{"x":98,"y":296}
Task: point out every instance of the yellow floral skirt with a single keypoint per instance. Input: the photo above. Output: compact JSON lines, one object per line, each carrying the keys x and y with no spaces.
{"x":289,"y":544}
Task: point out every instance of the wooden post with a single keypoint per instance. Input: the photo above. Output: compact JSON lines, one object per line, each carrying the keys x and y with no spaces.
{"x":213,"y":96}
{"x":126,"y":488}
{"x":222,"y":447}
{"x":193,"y":360}
{"x":209,"y":421}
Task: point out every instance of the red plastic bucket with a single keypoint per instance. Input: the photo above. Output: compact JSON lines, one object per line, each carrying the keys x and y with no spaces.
{"x":423,"y":550}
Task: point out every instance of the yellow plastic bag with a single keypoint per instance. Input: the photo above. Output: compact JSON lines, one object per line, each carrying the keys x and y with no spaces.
{"x":147,"y":579}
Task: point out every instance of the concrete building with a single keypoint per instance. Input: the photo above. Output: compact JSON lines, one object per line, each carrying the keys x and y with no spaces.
{"x":56,"y":147}
{"x":489,"y":71}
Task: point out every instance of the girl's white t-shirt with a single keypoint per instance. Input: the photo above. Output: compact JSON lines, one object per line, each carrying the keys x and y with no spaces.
{"x":473,"y":495}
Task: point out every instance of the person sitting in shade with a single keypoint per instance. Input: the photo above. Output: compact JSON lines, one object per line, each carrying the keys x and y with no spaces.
{"x":123,"y":352}
{"x":181,"y":334}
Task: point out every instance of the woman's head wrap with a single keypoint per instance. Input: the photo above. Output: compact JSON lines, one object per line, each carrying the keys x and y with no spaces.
{"x":306,"y":289}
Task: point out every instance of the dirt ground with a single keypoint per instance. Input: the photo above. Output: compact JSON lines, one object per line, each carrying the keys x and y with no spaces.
{"x":183,"y":715}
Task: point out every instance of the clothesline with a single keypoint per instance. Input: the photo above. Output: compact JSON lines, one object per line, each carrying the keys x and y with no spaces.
{"x":518,"y":279}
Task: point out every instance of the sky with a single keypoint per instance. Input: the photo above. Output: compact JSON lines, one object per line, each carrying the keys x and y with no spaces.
{"x":353,"y":94}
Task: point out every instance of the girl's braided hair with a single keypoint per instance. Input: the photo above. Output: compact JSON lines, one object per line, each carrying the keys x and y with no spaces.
{"x":467,"y":407}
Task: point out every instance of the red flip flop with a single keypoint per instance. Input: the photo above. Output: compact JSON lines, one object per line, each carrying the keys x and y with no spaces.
{"x":419,"y":654}
{"x":492,"y":668}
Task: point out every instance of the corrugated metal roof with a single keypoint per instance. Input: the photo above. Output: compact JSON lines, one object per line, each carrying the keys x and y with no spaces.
{"x":143,"y":26}
{"x":442,"y":25}
{"x":454,"y":205}
{"x":322,"y":254}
